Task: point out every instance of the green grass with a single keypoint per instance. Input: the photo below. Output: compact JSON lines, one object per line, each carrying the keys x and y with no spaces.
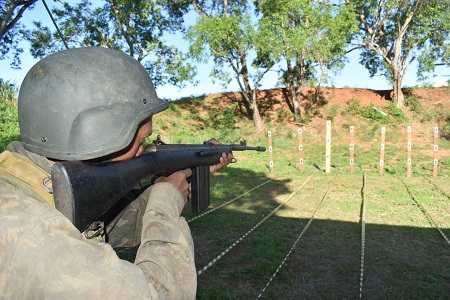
{"x":405,"y":256}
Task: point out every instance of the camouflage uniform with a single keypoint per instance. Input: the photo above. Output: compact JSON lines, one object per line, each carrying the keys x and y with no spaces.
{"x":45,"y":256}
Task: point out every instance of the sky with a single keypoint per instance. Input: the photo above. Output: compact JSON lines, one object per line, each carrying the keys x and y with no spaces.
{"x":352,"y":75}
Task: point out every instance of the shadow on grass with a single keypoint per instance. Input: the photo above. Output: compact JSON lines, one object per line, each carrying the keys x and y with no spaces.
{"x":401,"y":262}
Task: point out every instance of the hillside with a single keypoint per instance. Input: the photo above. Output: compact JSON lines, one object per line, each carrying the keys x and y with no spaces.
{"x":216,"y":114}
{"x":273,"y":100}
{"x":423,"y":104}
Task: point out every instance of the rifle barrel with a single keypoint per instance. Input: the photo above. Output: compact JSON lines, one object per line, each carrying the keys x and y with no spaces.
{"x":243,"y":148}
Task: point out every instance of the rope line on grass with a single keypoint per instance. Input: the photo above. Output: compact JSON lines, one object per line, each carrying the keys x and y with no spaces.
{"x":231,"y":201}
{"x":429,"y":218}
{"x":295,"y":243}
{"x":363,"y":234}
{"x":438,"y":188}
{"x":201,"y":271}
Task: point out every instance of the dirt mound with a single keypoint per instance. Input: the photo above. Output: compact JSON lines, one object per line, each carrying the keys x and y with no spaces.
{"x":274,"y":104}
{"x":365,"y":96}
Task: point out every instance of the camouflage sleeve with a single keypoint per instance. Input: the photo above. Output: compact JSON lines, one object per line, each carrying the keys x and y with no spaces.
{"x":44,"y":256}
{"x":124,"y":231}
{"x":166,"y":253}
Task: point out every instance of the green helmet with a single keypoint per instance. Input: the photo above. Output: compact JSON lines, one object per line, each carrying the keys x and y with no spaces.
{"x":85,"y":103}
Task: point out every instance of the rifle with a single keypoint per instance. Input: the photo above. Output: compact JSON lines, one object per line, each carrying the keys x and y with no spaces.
{"x":85,"y":191}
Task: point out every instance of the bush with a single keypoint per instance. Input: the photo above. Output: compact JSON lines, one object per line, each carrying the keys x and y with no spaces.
{"x":414,"y":104}
{"x":225,"y":120}
{"x":8,"y":113}
{"x":8,"y":92}
{"x":373,"y":114}
{"x":396,"y":112}
{"x":432,"y":115}
{"x":369,"y":112}
{"x":330,"y":112}
{"x":9,"y":123}
{"x":353,"y":107}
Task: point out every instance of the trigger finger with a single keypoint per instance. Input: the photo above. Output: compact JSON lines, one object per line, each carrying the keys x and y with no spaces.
{"x":187,"y":172}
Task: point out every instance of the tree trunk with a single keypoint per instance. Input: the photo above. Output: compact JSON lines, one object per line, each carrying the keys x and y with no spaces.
{"x":398,"y":94}
{"x":250,"y":96}
{"x":399,"y":98}
{"x":256,"y":116}
{"x":294,"y":91}
{"x":295,"y":96}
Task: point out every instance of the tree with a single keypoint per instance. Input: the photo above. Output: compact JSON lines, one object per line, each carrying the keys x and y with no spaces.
{"x":11,"y":11}
{"x":226,"y":33}
{"x":309,"y":37}
{"x":133,"y":26}
{"x":394,"y":33}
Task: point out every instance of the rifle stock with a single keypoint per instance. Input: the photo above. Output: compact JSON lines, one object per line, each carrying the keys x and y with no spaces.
{"x":85,"y":191}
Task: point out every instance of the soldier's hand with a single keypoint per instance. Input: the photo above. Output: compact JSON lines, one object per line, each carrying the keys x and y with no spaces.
{"x":179,"y":180}
{"x":224,"y":159}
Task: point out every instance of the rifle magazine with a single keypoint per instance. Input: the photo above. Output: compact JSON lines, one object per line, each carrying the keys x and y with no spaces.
{"x":200,"y":189}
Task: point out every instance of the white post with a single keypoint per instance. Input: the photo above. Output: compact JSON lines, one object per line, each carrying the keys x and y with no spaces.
{"x":328,"y":148}
{"x":383,"y":139}
{"x":269,"y":134}
{"x":352,"y":149}
{"x":300,"y":147}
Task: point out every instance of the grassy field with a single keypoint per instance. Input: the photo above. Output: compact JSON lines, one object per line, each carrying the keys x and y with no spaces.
{"x":302,"y":235}
{"x":405,"y":256}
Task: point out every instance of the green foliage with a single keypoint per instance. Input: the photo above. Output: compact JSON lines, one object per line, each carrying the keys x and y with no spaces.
{"x":12,"y":32}
{"x":304,"y":37}
{"x":9,"y":124}
{"x":8,"y":92}
{"x":330,"y":112}
{"x":8,"y":113}
{"x":133,"y":26}
{"x":431,"y":115}
{"x":393,"y":114}
{"x":353,"y":107}
{"x":373,"y":114}
{"x":396,"y":112}
{"x":229,"y":35}
{"x":414,"y":104}
{"x":392,"y":32}
{"x":227,"y":39}
{"x":225,"y":119}
{"x":446,"y":126}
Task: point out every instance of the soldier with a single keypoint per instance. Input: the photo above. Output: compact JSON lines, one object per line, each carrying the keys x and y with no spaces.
{"x":89,"y":104}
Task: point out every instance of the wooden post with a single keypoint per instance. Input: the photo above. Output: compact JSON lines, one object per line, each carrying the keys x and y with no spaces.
{"x":409,"y":146}
{"x":269,"y":134}
{"x":352,"y":149}
{"x":300,"y":148}
{"x":383,"y":139}
{"x":436,"y":148}
{"x":328,"y":148}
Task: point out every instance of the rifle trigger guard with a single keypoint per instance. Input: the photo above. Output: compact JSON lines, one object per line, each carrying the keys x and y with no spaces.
{"x":94,"y":230}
